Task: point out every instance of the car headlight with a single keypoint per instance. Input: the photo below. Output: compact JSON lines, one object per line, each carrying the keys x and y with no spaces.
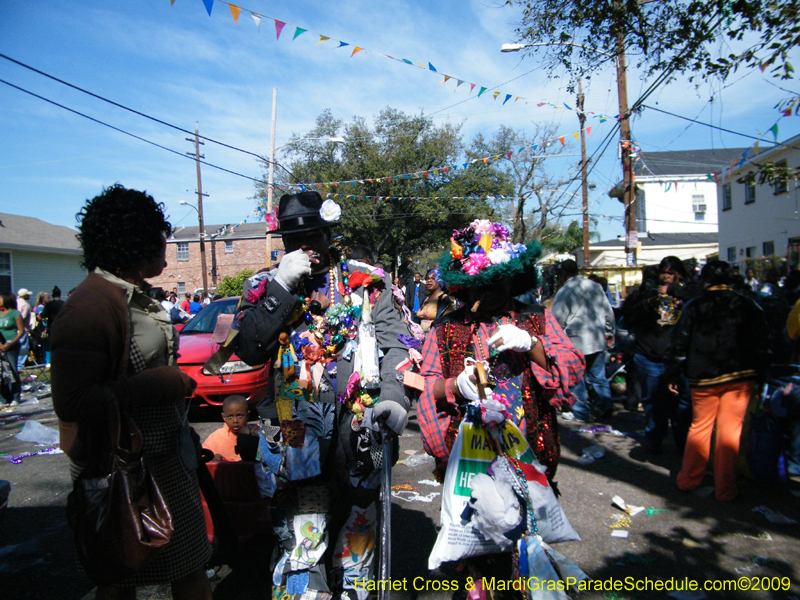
{"x":235,"y":366}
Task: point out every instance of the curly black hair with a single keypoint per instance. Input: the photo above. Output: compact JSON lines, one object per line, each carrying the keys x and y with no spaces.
{"x":121,"y":228}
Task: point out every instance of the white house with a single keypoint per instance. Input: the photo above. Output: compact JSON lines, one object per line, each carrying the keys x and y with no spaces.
{"x":37,"y":256}
{"x":676,"y":191}
{"x":760,"y":220}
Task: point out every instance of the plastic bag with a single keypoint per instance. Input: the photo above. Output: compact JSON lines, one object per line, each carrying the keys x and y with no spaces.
{"x":471,"y":454}
{"x":35,"y":432}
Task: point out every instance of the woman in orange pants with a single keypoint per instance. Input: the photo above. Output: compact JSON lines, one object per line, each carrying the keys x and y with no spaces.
{"x":719,"y":344}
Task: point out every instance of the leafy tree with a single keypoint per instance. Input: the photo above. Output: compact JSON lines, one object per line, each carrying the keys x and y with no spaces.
{"x":232,"y":285}
{"x":396,"y":218}
{"x":563,"y":240}
{"x":665,"y":36}
{"x":535,"y":194}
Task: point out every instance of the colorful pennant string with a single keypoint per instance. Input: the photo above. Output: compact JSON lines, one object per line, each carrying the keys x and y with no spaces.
{"x":426,"y":65}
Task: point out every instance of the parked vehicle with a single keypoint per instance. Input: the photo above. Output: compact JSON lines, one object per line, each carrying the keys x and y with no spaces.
{"x":236,"y":377}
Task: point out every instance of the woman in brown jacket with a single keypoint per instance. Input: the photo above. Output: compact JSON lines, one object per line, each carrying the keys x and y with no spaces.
{"x":112,"y":343}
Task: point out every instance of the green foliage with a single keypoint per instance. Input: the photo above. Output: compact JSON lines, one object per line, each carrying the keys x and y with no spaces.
{"x":232,"y":285}
{"x":398,"y":218}
{"x":665,"y":36}
{"x":562,"y":240}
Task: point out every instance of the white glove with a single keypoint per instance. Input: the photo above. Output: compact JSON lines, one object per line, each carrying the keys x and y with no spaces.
{"x":292,"y":268}
{"x":513,"y":338}
{"x":468,"y":388}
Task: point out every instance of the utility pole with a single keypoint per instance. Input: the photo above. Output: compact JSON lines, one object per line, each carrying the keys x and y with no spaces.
{"x":584,"y":183}
{"x":202,"y":230}
{"x":625,"y":150}
{"x":271,"y":177}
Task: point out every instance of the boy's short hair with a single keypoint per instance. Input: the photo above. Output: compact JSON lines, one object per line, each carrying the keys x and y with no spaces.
{"x":233,"y":399}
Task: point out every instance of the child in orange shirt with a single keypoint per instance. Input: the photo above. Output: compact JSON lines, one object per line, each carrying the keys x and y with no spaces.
{"x":223,"y":441}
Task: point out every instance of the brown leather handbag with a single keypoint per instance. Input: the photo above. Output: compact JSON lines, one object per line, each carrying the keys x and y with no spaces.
{"x":118,"y":516}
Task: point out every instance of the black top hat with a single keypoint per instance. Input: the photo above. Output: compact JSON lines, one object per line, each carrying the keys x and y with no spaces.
{"x":299,"y":212}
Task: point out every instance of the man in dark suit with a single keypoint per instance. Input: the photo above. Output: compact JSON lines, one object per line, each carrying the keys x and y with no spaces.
{"x":416,"y":292}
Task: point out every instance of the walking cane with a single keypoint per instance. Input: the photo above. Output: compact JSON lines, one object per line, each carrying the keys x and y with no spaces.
{"x":384,"y":566}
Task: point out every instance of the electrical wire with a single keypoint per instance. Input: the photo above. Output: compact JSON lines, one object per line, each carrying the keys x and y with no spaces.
{"x":85,"y":116}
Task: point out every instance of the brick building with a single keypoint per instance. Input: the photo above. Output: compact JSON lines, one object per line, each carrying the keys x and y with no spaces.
{"x":227,"y":253}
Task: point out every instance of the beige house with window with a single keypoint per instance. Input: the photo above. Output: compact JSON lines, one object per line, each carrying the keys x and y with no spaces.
{"x":761,"y":220}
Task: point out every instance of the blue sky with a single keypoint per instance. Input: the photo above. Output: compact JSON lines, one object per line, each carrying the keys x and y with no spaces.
{"x":179,"y":65}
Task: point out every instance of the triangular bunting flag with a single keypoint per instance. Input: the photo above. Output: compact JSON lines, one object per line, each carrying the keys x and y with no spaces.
{"x":356,"y":51}
{"x":257,"y":19}
{"x":669,"y":185}
{"x":446,"y":77}
{"x":322,"y":38}
{"x":171,"y":2}
{"x":460,"y":81}
{"x":279,"y":25}
{"x":509,"y":155}
{"x":445,"y":169}
{"x":297,"y":32}
{"x":517,"y":98}
{"x":408,"y":62}
{"x":420,"y":65}
{"x":235,"y":10}
{"x":567,"y":106}
{"x":342,"y":45}
{"x":755,"y":148}
{"x":576,"y":134}
{"x":561,"y":139}
{"x":496,"y":94}
{"x":483,"y":89}
{"x":209,"y":5}
{"x":471,"y":87}
{"x":485,"y":160}
{"x":425,"y":173}
{"x":431,"y":67}
{"x":588,"y":130}
{"x":508,"y":97}
{"x":774,"y":130}
{"x":534,"y":147}
{"x":541,"y":104}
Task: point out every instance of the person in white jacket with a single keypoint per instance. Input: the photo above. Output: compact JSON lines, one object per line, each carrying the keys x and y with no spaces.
{"x":583,"y":311}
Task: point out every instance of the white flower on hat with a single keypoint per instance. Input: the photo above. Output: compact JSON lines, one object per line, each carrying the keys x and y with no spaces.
{"x":330,"y":211}
{"x":498,"y":256}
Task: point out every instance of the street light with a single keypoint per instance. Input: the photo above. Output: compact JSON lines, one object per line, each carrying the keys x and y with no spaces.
{"x":201,"y":235}
{"x":625,"y":137}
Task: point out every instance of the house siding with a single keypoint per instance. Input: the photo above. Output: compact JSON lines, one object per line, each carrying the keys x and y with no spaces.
{"x":40,"y":271}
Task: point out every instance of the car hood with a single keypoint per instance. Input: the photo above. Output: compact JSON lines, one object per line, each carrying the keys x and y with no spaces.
{"x":195,"y":348}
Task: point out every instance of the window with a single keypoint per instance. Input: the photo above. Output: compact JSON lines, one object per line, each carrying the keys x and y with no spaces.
{"x":750,"y":252}
{"x":181,"y":288}
{"x":726,"y":196}
{"x":183,"y":251}
{"x":769,"y":248}
{"x":5,"y":272}
{"x":780,"y":185}
{"x":749,"y":192}
{"x":732,"y":254}
{"x":228,"y":246}
{"x":699,"y":216}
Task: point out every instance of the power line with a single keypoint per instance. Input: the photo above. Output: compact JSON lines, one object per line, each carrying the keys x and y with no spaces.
{"x":85,"y":116}
{"x":134,"y":111}
{"x":718,"y":127}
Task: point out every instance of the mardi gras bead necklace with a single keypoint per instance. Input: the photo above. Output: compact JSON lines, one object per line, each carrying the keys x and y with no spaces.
{"x":336,"y":323}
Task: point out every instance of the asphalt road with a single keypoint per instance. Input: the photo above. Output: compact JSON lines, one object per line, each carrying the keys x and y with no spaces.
{"x":683,"y":536}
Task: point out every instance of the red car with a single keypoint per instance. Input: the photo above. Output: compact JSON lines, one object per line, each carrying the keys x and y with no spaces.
{"x":237,"y":377}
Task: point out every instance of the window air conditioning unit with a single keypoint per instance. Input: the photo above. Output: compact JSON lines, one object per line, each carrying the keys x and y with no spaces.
{"x":698,"y":208}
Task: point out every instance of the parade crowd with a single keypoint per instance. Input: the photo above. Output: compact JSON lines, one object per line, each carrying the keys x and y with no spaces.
{"x":472,"y":342}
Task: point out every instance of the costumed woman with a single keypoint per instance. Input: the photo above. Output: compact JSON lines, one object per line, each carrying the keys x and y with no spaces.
{"x":436,"y":304}
{"x":336,"y":335}
{"x":529,"y":363}
{"x":113,"y":344}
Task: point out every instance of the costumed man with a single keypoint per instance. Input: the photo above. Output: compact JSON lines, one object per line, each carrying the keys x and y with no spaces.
{"x":335,"y":335}
{"x":530,"y":359}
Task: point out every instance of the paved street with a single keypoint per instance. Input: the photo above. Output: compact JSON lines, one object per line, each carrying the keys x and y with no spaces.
{"x":684,"y":535}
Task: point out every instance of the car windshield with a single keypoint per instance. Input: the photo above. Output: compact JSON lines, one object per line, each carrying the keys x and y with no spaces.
{"x":206,"y":319}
